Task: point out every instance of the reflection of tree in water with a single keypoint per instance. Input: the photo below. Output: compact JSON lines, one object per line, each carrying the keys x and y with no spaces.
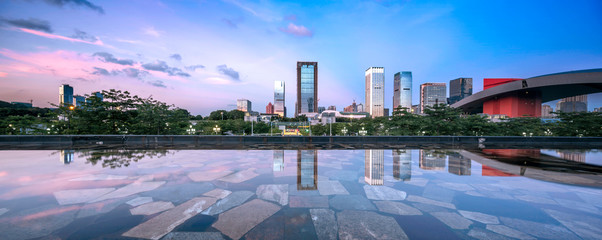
{"x":116,"y":158}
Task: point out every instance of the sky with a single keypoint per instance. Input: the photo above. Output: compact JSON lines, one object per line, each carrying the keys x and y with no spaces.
{"x":203,"y":55}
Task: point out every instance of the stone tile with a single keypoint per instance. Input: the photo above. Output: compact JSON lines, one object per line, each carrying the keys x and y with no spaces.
{"x":92,"y":209}
{"x":151,"y":208}
{"x":457,"y":186}
{"x":368,"y":225}
{"x":99,"y":177}
{"x":205,"y":176}
{"x":438,"y":193}
{"x":539,"y":230}
{"x":240,"y":176}
{"x":353,"y":202}
{"x":429,"y":208}
{"x":178,"y":193}
{"x":483,"y":234}
{"x":130,"y":189}
{"x":239,"y":220}
{"x":480,"y":217}
{"x":308,"y":201}
{"x":74,"y":196}
{"x":396,"y":208}
{"x":193,"y":236}
{"x":420,"y":182}
{"x":298,"y":224}
{"x":273,"y":192}
{"x":506,"y":231}
{"x":331,"y":188}
{"x":325,"y":223}
{"x":37,"y":222}
{"x":585,"y":226}
{"x":383,"y":193}
{"x":293,"y":191}
{"x":158,"y":226}
{"x":453,"y":220}
{"x":475,"y":193}
{"x":414,"y":198}
{"x":217,"y":193}
{"x":3,"y":211}
{"x":535,"y":199}
{"x":341,"y":175}
{"x":270,"y":229}
{"x":139,"y":201}
{"x":232,"y":200}
{"x":578,"y":205}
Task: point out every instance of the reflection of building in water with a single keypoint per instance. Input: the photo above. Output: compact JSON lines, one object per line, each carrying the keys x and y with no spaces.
{"x":456,"y":164}
{"x":278,"y":160}
{"x":432,"y":160}
{"x":572,"y":155}
{"x":67,"y":156}
{"x":374,"y":167}
{"x":307,"y":169}
{"x":402,"y":165}
{"x":514,"y":154}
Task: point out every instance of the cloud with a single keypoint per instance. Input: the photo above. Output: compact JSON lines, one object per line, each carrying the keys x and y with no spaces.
{"x":83,"y":3}
{"x":151,"y":31}
{"x":31,"y":23}
{"x":161,"y":66}
{"x":84,"y":36}
{"x":107,"y":57}
{"x":230,"y":23}
{"x":194,"y":67}
{"x":292,"y":18}
{"x":157,"y":83}
{"x":299,"y":31}
{"x":176,"y":57}
{"x":224,"y":69}
{"x":54,"y":36}
{"x":134,"y":73}
{"x":101,"y":71}
{"x":3,"y":74}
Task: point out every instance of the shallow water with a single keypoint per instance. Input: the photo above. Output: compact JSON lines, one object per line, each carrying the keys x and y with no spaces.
{"x":301,"y":194}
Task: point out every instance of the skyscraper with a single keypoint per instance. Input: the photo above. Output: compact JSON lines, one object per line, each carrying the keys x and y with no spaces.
{"x":432,"y":94}
{"x":402,"y":90}
{"x":374,"y":167}
{"x":375,"y":91}
{"x":572,"y":104}
{"x":243,"y":105}
{"x":278,"y":165}
{"x":307,"y":169}
{"x":79,"y":100}
{"x":458,"y":165}
{"x":546,"y":111}
{"x":279,"y":104}
{"x":269,"y":109}
{"x":459,"y":88}
{"x":65,"y":95}
{"x":402,"y":164}
{"x":307,"y":88}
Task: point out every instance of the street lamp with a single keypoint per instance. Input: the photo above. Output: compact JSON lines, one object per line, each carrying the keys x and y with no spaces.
{"x":190,"y":130}
{"x":363,"y":132}
{"x":216,"y":129}
{"x":222,"y":113}
{"x":344,"y":131}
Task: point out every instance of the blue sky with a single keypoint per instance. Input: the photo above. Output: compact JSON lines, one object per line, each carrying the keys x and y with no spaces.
{"x":203,"y":55}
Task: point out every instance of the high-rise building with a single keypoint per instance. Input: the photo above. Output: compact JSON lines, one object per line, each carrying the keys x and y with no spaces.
{"x":351,"y":108}
{"x":374,"y":167}
{"x":278,"y":164}
{"x":243,"y":105}
{"x":321,"y":109}
{"x":402,"y":164}
{"x":307,"y":169}
{"x":458,"y":165}
{"x":432,"y":94}
{"x":459,"y":88}
{"x":79,"y":100}
{"x":416,"y":109}
{"x":598,"y":109}
{"x":573,"y":104}
{"x":269,"y":109}
{"x":332,"y":107}
{"x":65,"y":95}
{"x":307,"y":88}
{"x":67,"y":156}
{"x":279,"y":104}
{"x":546,"y":111}
{"x":375,"y":91}
{"x":360,"y":108}
{"x":402,"y":90}
{"x":431,"y":160}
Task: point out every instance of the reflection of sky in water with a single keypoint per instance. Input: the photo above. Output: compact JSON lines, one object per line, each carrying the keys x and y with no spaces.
{"x":422,"y":193}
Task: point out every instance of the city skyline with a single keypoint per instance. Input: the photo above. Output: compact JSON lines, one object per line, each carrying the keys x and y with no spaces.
{"x":202,"y":56}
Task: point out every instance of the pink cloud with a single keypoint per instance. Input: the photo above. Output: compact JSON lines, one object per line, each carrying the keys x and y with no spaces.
{"x":3,"y":74}
{"x":299,"y":31}
{"x":54,"y":36}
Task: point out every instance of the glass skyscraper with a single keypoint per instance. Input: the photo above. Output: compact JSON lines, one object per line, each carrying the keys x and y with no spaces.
{"x":375,"y":91}
{"x":432,"y":94}
{"x":307,"y":169}
{"x":402,"y":90}
{"x":459,"y":89}
{"x":65,"y":95}
{"x":307,"y":88}
{"x":374,"y":167}
{"x":279,"y":104}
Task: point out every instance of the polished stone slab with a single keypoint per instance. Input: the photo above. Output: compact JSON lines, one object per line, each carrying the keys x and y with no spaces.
{"x":193,"y":236}
{"x":130,"y":189}
{"x":414,"y":198}
{"x":536,"y":199}
{"x":585,"y":226}
{"x":351,"y":202}
{"x":483,"y":234}
{"x":453,"y":220}
{"x":331,"y":188}
{"x":100,"y":177}
{"x":3,"y":211}
{"x":509,"y":232}
{"x":396,"y":208}
{"x":273,"y":192}
{"x":139,"y":201}
{"x":178,"y":193}
{"x":151,"y":208}
{"x":217,"y":193}
{"x":232,"y":200}
{"x":383,"y":193}
{"x":325,"y":223}
{"x":368,"y":225}
{"x":74,"y":196}
{"x":37,"y":222}
{"x":105,"y":206}
{"x":239,"y":220}
{"x":158,"y":226}
{"x":205,"y":176}
{"x":308,"y":201}
{"x":462,"y":187}
{"x":240,"y":176}
{"x":539,"y":230}
{"x":480,"y":217}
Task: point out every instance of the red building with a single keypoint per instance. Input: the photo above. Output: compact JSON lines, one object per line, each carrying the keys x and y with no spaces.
{"x":269,"y":109}
{"x":518,"y":104}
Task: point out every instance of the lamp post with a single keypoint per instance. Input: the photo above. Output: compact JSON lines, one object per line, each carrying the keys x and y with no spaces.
{"x":363,"y":132}
{"x":190,"y":130}
{"x":216,"y":129}
{"x":344,"y":131}
{"x":222,"y":113}
{"x":330,"y":121}
{"x":71,"y":107}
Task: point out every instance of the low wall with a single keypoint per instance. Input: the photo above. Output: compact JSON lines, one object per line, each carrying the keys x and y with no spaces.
{"x":289,"y":142}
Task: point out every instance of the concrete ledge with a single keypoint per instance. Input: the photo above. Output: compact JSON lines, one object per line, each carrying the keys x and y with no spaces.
{"x":290,"y":142}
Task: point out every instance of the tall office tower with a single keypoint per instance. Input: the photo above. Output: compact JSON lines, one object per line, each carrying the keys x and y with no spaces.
{"x":573,"y":104}
{"x":416,"y":109}
{"x":360,"y":108}
{"x":572,"y":155}
{"x":278,"y":160}
{"x":98,"y":95}
{"x":432,"y":94}
{"x":374,"y":167}
{"x":431,"y":160}
{"x":279,"y":104}
{"x":402,"y":164}
{"x":243,"y":105}
{"x":321,"y":109}
{"x":375,"y":91}
{"x":546,"y":111}
{"x":458,"y":165}
{"x":332,"y":107}
{"x":307,"y":169}
{"x":67,"y":156}
{"x":402,"y":90}
{"x":79,"y":100}
{"x":269,"y":109}
{"x":459,"y":88}
{"x":307,"y":88}
{"x":65,"y":95}
{"x":351,"y":108}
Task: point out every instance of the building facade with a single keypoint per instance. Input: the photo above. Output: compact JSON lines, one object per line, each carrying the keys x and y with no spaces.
{"x":572,"y":104}
{"x":432,"y":94}
{"x":351,"y":108}
{"x":375,"y":91}
{"x":307,"y":88}
{"x":269,"y":109}
{"x":402,"y":90}
{"x":65,"y":95}
{"x":279,"y":97}
{"x":374,"y":167}
{"x":546,"y":111}
{"x":307,"y":170}
{"x":519,"y":104}
{"x":79,"y":100}
{"x":244,"y":105}
{"x":459,"y":88}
